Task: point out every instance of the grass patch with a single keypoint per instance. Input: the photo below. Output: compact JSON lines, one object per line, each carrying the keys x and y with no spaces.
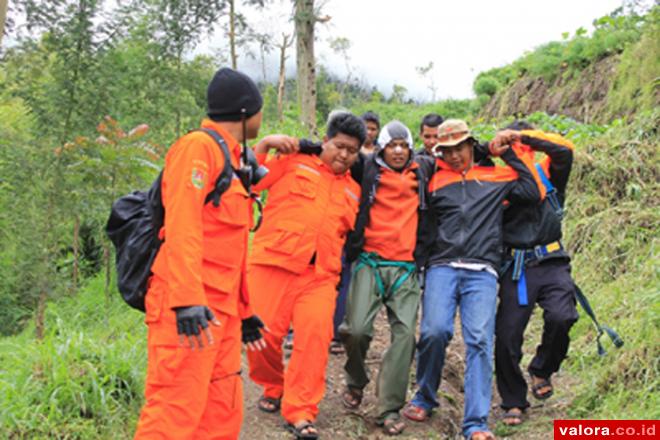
{"x":612,"y":230}
{"x":84,"y":380}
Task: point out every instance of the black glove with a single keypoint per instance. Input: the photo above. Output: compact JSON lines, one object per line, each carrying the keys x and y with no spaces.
{"x":251,"y":329}
{"x":309,"y":147}
{"x":190,"y":319}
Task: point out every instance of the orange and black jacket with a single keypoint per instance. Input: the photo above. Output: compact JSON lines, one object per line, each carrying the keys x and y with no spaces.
{"x":372,"y":168}
{"x":469,"y":208}
{"x":528,"y":225}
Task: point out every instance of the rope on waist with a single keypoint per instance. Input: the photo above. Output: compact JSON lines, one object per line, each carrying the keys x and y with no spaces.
{"x":372,"y":260}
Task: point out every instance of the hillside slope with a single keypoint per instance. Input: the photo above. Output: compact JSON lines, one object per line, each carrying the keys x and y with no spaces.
{"x":614,"y":73}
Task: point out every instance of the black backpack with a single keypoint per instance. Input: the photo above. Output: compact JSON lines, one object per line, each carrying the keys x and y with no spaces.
{"x":135,"y":222}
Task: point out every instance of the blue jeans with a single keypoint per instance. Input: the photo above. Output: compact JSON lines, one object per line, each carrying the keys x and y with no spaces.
{"x":475,"y":292}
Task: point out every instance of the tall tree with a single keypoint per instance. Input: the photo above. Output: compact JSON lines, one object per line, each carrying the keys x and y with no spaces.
{"x":239,"y":32}
{"x":3,"y":18}
{"x":341,"y":46}
{"x":178,"y":26}
{"x":70,"y":31}
{"x":232,"y":33}
{"x":287,"y":41}
{"x":265,"y":42}
{"x":426,"y":72}
{"x":398,"y":94}
{"x":305,"y":18}
{"x":73,"y":34}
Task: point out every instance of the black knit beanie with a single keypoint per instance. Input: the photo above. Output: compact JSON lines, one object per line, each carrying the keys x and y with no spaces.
{"x":229,"y":92}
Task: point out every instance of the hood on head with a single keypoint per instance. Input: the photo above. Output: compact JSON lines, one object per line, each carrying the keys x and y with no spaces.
{"x":394,"y":130}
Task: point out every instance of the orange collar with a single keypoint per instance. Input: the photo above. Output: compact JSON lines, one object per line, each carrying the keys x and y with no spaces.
{"x":445,"y":167}
{"x":232,"y":143}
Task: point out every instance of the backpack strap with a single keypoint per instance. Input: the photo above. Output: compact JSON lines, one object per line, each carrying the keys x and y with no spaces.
{"x":224,"y":179}
{"x":550,"y":192}
{"x":421,"y":189}
{"x":369,"y":178}
{"x":601,"y":328}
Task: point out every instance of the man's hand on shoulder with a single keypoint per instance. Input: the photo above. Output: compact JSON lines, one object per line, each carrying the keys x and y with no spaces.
{"x":282,"y":143}
{"x":502,"y":141}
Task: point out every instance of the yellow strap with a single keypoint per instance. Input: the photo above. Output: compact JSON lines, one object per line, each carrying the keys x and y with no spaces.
{"x":552,"y":247}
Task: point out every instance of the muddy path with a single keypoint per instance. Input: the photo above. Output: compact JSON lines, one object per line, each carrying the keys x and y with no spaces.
{"x":337,"y":423}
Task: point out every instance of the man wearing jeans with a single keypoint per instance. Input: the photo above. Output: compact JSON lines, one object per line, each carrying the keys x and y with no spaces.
{"x":467,"y":201}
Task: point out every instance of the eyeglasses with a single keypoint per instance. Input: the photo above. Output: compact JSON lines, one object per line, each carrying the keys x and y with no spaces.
{"x":451,"y":136}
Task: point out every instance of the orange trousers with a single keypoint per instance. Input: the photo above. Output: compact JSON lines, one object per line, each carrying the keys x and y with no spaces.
{"x":307,"y":300}
{"x":190,"y":394}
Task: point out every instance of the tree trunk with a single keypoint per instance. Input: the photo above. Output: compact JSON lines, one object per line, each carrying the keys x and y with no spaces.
{"x":232,"y":34}
{"x":108,"y":268}
{"x":305,"y":63}
{"x":179,"y":57}
{"x":108,"y":279}
{"x":3,"y":18}
{"x":280,"y":82}
{"x":263,"y":62}
{"x":40,"y":319}
{"x":76,"y":253}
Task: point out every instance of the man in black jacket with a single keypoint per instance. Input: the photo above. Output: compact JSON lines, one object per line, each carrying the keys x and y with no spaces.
{"x":467,"y":201}
{"x":538,"y":271}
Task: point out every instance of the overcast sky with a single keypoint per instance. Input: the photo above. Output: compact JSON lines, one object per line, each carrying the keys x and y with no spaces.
{"x":462,"y":38}
{"x":390,"y":38}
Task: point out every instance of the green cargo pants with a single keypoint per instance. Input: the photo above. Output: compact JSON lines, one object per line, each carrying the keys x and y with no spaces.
{"x":363,"y":303}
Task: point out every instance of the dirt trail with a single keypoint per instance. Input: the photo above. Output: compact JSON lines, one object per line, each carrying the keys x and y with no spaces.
{"x":337,"y":423}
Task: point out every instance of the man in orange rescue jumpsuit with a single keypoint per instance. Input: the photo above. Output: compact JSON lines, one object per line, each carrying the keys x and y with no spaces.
{"x":199,"y":276}
{"x":295,"y":265}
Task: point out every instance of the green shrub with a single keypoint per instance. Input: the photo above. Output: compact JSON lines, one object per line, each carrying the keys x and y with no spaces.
{"x":486,"y":85}
{"x":84,"y":379}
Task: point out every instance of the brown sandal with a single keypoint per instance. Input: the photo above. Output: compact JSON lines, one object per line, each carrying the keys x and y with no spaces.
{"x":269,"y":404}
{"x":393,"y":425}
{"x":514,"y":415}
{"x":416,"y":413}
{"x":337,"y":348}
{"x":537,"y":387}
{"x":304,"y":430}
{"x":352,"y":398}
